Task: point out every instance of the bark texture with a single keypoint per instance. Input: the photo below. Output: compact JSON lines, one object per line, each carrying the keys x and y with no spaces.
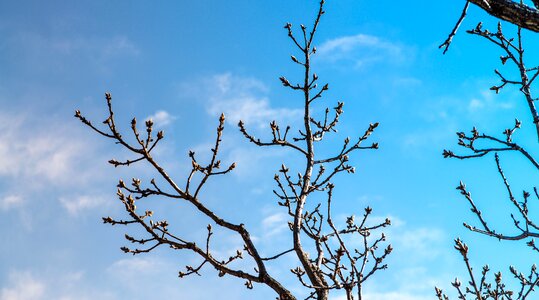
{"x":513,"y":12}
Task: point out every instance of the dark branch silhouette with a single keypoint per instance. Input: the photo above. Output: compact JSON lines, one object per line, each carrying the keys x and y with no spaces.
{"x":326,"y":262}
{"x":515,"y":12}
{"x":478,"y":144}
{"x":480,"y":289}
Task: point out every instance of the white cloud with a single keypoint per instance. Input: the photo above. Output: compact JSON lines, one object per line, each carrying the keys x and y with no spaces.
{"x":250,"y":159}
{"x":52,"y":158}
{"x":274,"y":224}
{"x":10,"y":201}
{"x":396,"y":222}
{"x":42,"y":161}
{"x":422,"y":242}
{"x":107,"y":47}
{"x":77,"y":204}
{"x":241,"y":98}
{"x":445,"y":115}
{"x":23,"y":286}
{"x":475,"y":104}
{"x":161,"y":118}
{"x":58,"y":53}
{"x":363,"y":50}
{"x":486,"y":99}
{"x":147,"y":277}
{"x":251,"y":110}
{"x":227,"y":83}
{"x":418,"y":244}
{"x":31,"y":285}
{"x":413,"y":283}
{"x":134,"y":265}
{"x":45,"y":152}
{"x":349,"y":43}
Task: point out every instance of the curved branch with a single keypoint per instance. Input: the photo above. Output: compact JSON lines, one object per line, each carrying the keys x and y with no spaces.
{"x":510,"y":11}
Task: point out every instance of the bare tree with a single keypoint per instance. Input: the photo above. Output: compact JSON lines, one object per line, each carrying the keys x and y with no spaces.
{"x":482,"y":144}
{"x":325,"y":262}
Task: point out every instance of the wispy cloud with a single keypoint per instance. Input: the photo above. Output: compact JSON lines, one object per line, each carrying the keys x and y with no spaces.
{"x":161,"y":118}
{"x":244,"y":99}
{"x":239,"y":98}
{"x":406,"y":279}
{"x":108,"y":47}
{"x":43,"y":151}
{"x":42,"y":162}
{"x":23,"y":286}
{"x":476,"y":102}
{"x":486,"y":100}
{"x":33,"y":285}
{"x":362,"y":50}
{"x":56,"y":53}
{"x":422,"y":246}
{"x":411,"y":278}
{"x":78,"y":204}
{"x":425,"y":243}
{"x":419,"y":243}
{"x":422,"y":242}
{"x":442,"y":115}
{"x":133,"y":265}
{"x":18,"y":157}
{"x":409,"y":283}
{"x":10,"y":201}
{"x":274,"y":224}
{"x":137,"y":277}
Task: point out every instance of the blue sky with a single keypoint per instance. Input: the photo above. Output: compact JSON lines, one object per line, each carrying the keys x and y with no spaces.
{"x":182,"y":63}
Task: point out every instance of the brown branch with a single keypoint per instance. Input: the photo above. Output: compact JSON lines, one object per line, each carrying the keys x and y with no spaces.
{"x":511,"y":11}
{"x":484,"y":290}
{"x":334,"y":265}
{"x":445,"y":45}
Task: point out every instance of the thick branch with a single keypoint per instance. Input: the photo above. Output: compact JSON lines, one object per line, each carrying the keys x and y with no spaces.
{"x":513,"y":12}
